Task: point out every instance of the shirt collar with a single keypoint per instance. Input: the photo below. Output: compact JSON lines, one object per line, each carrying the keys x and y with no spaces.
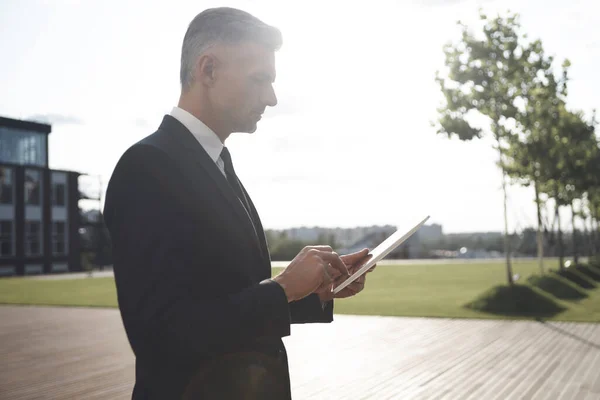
{"x":205,"y":136}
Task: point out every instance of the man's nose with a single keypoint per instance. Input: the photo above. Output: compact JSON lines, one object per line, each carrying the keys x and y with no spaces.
{"x":270,"y":98}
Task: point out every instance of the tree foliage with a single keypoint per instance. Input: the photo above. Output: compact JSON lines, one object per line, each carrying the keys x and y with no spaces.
{"x":497,"y":82}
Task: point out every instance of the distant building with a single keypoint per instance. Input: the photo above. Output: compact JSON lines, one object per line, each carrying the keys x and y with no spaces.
{"x":39,"y":212}
{"x":430,"y":233}
{"x":343,"y":237}
{"x":349,"y":240}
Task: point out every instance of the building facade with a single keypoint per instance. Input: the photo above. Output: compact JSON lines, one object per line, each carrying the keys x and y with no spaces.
{"x":39,"y":212}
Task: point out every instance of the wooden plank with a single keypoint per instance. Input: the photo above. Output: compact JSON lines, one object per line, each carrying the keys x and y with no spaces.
{"x":72,"y":353}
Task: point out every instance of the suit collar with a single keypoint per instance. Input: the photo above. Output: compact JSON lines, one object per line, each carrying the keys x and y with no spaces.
{"x":192,"y":153}
{"x":203,"y":134}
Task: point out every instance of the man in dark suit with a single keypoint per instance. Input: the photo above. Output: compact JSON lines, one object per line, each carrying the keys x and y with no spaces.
{"x":191,"y":263}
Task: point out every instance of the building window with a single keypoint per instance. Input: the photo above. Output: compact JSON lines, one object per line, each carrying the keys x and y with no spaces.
{"x":33,"y":238}
{"x":33,"y":183}
{"x":59,"y":191}
{"x":6,"y":185}
{"x":6,"y":239}
{"x":59,"y":238}
{"x":22,"y":147}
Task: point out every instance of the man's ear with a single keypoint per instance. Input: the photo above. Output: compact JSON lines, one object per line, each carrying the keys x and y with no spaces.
{"x":206,"y":69}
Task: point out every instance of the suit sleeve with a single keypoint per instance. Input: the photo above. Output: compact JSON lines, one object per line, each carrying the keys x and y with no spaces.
{"x":162,"y":311}
{"x":310,"y":309}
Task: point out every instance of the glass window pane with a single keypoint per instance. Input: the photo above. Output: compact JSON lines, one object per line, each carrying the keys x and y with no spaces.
{"x":6,"y":239}
{"x":33,"y":185}
{"x":6,"y":248}
{"x":33,"y":238}
{"x":59,"y":194}
{"x":22,"y":147}
{"x":6,"y":185}
{"x":59,"y":238}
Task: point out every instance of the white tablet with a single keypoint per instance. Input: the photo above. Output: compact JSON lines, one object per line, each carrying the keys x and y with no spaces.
{"x":389,"y":244}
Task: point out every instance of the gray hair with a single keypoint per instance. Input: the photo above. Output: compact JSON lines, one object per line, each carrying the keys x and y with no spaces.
{"x":222,"y":25}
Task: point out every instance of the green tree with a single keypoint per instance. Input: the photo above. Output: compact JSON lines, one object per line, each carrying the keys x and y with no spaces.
{"x":581,"y":164}
{"x":571,"y":170}
{"x":586,"y":179}
{"x":540,"y":95}
{"x":483,"y":80}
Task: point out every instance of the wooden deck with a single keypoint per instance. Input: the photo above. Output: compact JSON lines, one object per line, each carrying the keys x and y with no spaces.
{"x":80,"y":353}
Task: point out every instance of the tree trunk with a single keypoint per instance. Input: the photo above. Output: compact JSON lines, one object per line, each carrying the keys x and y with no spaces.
{"x":574,"y":237}
{"x":596,"y":235}
{"x":592,"y":233}
{"x":597,"y":238}
{"x":540,"y":234}
{"x":561,"y":255}
{"x":588,"y":239}
{"x":509,"y":273}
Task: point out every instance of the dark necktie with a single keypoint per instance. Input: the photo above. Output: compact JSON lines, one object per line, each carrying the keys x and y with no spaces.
{"x":234,"y":181}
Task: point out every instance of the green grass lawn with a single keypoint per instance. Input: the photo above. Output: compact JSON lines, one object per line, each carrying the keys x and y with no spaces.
{"x":408,"y":290}
{"x":444,"y":290}
{"x":86,"y":292}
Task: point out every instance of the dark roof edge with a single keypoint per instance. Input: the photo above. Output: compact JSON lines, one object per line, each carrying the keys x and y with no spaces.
{"x":28,"y":125}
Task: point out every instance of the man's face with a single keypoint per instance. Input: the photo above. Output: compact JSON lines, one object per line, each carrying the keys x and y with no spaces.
{"x":243,"y":85}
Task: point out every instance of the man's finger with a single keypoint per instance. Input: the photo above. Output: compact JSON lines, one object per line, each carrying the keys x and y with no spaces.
{"x":328,"y":278}
{"x":336,"y":262}
{"x":356,"y":266}
{"x":325,"y":248}
{"x":355,"y":288}
{"x":355,"y":257}
{"x":359,"y":283}
{"x":360,"y":262}
{"x":361,"y":253}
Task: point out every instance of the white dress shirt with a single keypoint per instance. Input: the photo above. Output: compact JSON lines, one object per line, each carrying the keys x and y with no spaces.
{"x":203,"y":134}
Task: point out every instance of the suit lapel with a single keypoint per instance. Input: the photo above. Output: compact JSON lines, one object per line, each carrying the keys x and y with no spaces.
{"x":194,"y":154}
{"x":258,"y":227}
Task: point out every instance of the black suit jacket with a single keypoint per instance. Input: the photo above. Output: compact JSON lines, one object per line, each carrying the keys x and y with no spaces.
{"x":192,"y":272}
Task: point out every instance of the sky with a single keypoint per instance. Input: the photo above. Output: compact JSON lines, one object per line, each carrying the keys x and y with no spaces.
{"x":350,"y":142}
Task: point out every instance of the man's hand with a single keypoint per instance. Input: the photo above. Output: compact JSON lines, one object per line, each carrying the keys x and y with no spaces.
{"x":314,"y":268}
{"x":353,"y":262}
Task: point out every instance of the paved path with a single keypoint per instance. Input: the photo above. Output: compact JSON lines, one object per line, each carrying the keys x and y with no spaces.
{"x":80,"y":353}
